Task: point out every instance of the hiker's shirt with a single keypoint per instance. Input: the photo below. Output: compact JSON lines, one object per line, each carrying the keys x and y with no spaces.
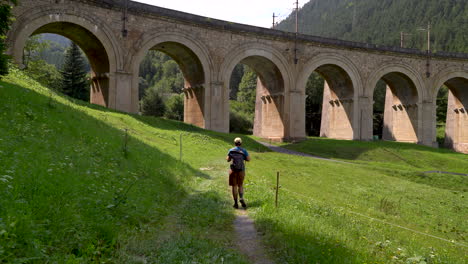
{"x":239,"y":150}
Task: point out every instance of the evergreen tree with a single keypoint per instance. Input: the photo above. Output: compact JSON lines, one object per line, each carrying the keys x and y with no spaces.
{"x":442,"y":101}
{"x":314,"y":92}
{"x":5,"y":20}
{"x":242,"y":109}
{"x":235,"y":80}
{"x":74,"y":81}
{"x":380,"y":22}
{"x":379,"y":108}
{"x":247,"y":91}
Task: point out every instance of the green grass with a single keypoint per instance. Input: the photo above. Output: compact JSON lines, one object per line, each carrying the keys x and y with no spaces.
{"x":317,"y":217}
{"x":441,"y":134}
{"x":385,"y":154}
{"x":70,"y":194}
{"x":405,"y":160}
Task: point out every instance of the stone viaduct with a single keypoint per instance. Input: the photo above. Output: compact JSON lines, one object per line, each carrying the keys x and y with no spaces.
{"x":116,"y":35}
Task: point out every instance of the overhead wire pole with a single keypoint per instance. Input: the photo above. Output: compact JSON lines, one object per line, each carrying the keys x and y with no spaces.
{"x":402,"y":38}
{"x":428,"y":37}
{"x":297,"y":32}
{"x":428,"y":51}
{"x":428,"y":63}
{"x":274,"y":16}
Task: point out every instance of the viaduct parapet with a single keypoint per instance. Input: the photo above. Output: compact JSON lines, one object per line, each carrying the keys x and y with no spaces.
{"x":115,"y":35}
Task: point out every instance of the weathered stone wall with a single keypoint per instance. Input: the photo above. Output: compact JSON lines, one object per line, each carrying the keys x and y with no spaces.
{"x":208,"y":50}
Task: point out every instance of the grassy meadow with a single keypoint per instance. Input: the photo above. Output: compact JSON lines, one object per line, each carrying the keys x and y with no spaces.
{"x":84,"y":184}
{"x":73,"y":190}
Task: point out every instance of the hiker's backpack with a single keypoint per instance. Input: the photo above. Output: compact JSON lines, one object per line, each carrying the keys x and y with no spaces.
{"x":237,"y":157}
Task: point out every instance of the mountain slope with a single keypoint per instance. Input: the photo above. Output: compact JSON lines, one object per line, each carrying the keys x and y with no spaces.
{"x":380,"y":22}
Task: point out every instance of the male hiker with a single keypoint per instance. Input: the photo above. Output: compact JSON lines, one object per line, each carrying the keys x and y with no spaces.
{"x":236,"y":156}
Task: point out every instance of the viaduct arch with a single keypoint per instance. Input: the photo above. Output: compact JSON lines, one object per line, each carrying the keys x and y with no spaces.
{"x":90,"y":34}
{"x":404,"y":93}
{"x":194,"y":63}
{"x":343,"y":84}
{"x":272,"y":86}
{"x":115,"y":37}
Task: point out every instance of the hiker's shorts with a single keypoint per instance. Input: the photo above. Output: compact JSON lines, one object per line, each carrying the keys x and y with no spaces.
{"x":236,"y":178}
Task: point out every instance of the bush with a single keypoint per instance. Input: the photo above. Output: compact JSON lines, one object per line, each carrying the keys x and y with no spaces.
{"x":240,"y":123}
{"x":378,"y":123}
{"x":239,"y":120}
{"x":46,"y":74}
{"x":175,"y":107}
{"x":152,"y":103}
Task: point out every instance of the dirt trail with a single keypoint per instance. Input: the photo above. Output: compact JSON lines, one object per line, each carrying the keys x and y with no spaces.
{"x":247,"y":239}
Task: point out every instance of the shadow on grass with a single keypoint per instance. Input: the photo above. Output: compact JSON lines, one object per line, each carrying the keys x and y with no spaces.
{"x":177,"y":126}
{"x":101,"y":221}
{"x":356,"y":150}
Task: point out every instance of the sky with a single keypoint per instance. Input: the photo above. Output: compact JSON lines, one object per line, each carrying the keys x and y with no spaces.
{"x":251,"y":12}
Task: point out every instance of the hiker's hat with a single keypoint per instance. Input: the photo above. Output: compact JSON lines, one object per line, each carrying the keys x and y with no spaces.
{"x":238,"y":140}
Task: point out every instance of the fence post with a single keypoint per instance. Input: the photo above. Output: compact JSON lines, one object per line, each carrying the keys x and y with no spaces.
{"x":125,"y":147}
{"x":277,"y":188}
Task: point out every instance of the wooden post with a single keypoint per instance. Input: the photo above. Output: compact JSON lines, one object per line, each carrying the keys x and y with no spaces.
{"x":125,"y":148}
{"x":277,"y":188}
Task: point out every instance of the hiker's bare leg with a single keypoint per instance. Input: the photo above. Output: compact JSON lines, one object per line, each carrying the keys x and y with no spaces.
{"x":241,"y":192}
{"x":234,"y":193}
{"x":241,"y":195}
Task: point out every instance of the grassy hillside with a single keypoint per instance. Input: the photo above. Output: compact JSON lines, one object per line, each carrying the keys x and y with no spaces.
{"x":407,"y":155}
{"x":71,"y":193}
{"x":366,"y":212}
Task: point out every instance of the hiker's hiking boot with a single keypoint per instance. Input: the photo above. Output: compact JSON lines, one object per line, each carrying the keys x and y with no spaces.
{"x":243,"y":204}
{"x":236,"y":206}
